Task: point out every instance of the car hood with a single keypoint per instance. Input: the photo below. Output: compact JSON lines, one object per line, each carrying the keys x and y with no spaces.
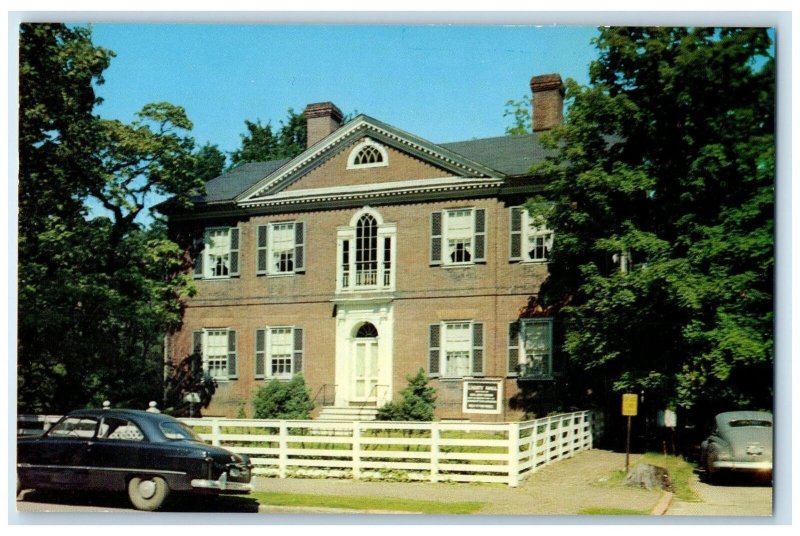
{"x":221,"y":455}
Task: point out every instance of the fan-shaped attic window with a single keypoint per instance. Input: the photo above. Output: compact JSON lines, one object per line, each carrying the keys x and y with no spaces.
{"x":367,"y":154}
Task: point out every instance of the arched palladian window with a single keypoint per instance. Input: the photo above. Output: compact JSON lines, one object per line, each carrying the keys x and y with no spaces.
{"x":367,"y":154}
{"x":366,"y":250}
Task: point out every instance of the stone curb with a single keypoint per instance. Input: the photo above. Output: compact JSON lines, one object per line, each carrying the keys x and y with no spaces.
{"x":663,"y":504}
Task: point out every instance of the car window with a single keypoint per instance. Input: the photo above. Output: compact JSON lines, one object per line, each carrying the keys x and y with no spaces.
{"x":114,"y":428}
{"x":178,"y":430}
{"x":74,"y":427}
{"x":741,"y":423}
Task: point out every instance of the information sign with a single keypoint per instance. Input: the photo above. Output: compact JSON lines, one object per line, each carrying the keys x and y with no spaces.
{"x":483,"y":396}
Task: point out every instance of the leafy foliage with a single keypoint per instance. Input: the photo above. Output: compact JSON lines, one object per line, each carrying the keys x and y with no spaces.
{"x":261,"y":144}
{"x":284,"y":400}
{"x":520,"y":114}
{"x":97,"y":289}
{"x":185,"y":377}
{"x":663,"y":187}
{"x":416,"y":402}
{"x":209,"y":162}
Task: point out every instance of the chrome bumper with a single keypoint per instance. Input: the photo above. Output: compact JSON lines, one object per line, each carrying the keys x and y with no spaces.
{"x":222,"y":484}
{"x":743,"y":466}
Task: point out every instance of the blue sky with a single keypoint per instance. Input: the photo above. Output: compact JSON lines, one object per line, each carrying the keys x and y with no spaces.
{"x":444,"y":83}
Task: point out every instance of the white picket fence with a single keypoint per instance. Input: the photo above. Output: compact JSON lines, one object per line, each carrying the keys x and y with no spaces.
{"x":413,"y":451}
{"x":432,"y":451}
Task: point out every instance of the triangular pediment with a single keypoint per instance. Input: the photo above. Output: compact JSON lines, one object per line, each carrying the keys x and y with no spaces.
{"x":306,"y":176}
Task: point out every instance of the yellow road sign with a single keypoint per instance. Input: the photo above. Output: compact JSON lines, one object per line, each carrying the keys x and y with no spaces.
{"x":630,"y":405}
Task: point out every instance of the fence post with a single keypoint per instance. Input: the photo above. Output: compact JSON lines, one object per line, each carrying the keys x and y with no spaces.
{"x":215,"y":433}
{"x":571,"y":436}
{"x":588,"y":419}
{"x":436,"y":435}
{"x":513,"y":454}
{"x":356,"y":450}
{"x":283,"y":447}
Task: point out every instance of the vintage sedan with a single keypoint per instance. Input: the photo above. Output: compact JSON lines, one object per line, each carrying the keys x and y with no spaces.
{"x":739,"y":441}
{"x":148,"y":455}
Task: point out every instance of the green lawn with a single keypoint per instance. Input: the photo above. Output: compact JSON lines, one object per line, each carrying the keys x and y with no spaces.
{"x":366,"y":503}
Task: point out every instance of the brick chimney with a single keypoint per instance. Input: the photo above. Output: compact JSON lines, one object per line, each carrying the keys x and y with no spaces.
{"x":548,"y":101}
{"x":322,"y":118}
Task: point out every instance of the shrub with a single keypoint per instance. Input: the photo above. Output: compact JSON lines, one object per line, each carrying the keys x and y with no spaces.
{"x":284,"y":400}
{"x":416,"y":403}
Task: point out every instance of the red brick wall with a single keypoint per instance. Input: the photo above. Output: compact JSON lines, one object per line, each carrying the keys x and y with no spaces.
{"x":492,"y":293}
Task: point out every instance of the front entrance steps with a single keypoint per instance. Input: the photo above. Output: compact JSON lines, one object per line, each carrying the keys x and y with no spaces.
{"x":348,"y":413}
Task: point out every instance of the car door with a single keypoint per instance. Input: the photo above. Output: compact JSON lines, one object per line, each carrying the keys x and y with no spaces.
{"x":115,"y":453}
{"x":59,"y":458}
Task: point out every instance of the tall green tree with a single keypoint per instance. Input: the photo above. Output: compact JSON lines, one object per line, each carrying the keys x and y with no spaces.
{"x":261,"y":144}
{"x":663,"y":192}
{"x":97,"y":288}
{"x":210,"y":162}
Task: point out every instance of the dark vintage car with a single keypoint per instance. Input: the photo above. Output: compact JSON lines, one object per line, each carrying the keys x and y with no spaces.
{"x":739,"y":441}
{"x":148,"y":455}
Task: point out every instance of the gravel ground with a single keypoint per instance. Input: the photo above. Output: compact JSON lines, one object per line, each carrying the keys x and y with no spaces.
{"x":562,"y":488}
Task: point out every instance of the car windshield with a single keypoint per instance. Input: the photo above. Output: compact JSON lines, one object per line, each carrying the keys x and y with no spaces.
{"x":741,"y":423}
{"x":178,"y":430}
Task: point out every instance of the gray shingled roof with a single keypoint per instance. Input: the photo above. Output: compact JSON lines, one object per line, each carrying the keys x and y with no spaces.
{"x":228,"y":185}
{"x":510,"y":155}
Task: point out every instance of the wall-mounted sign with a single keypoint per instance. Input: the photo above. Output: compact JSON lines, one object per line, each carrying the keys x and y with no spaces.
{"x":483,"y":396}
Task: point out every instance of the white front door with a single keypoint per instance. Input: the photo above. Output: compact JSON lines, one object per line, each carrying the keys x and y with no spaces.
{"x":365,"y":368}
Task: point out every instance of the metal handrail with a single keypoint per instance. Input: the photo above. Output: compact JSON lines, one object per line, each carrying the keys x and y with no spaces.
{"x":324,"y":389}
{"x":369,"y":395}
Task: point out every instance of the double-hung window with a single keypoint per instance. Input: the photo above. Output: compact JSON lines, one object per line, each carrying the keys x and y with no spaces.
{"x":279,"y":352}
{"x":530,"y":348}
{"x":280,"y":248}
{"x":217,"y":253}
{"x":529,"y":242}
{"x":218,"y":349}
{"x":458,"y":237}
{"x":455,"y":349}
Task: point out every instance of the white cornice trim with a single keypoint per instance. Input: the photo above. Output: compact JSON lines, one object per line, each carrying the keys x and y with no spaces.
{"x":369,"y":191}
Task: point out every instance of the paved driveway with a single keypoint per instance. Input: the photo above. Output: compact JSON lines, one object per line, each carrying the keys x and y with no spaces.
{"x":739,"y":495}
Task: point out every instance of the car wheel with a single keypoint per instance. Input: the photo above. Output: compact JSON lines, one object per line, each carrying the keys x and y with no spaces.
{"x":147,"y":493}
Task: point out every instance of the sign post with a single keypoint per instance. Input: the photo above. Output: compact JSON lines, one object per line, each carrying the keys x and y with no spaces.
{"x":630,"y":404}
